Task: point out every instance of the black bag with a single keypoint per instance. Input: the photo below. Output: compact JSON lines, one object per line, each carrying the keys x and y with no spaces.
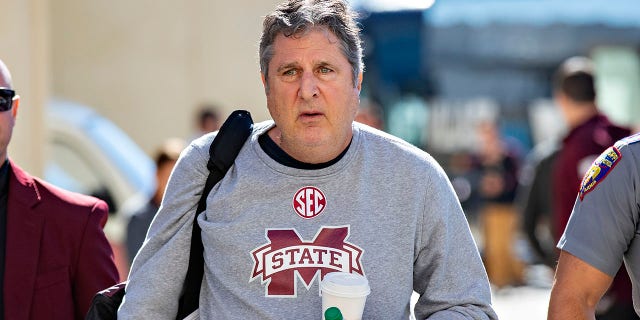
{"x":222,"y":153}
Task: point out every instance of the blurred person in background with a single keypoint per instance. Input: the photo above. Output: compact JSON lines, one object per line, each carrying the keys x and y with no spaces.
{"x":498,"y":162}
{"x":139,"y":221}
{"x":590,"y":133}
{"x":600,"y":235}
{"x":312,"y":192}
{"x":54,"y":255}
{"x":534,"y":201}
{"x":207,"y":120}
{"x":370,"y":113}
{"x":464,"y":174}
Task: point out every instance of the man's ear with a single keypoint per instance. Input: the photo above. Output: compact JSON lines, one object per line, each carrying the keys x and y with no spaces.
{"x":264,"y":83}
{"x":359,"y":81}
{"x":14,"y":106}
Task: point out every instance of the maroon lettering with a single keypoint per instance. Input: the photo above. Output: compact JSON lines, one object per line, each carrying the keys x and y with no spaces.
{"x":292,"y":257}
{"x":277,"y":260}
{"x":321,"y":253}
{"x":306,"y":255}
{"x":335,"y":256}
{"x":287,"y":257}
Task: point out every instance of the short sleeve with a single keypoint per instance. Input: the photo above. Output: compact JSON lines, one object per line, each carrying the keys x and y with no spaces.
{"x":605,"y":214}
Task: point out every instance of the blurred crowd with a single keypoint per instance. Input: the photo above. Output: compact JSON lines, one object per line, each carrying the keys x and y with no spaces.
{"x":518,"y":199}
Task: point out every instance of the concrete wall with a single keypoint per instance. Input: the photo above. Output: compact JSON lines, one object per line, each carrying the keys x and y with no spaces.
{"x":143,"y":64}
{"x":24,"y":47}
{"x":147,"y":64}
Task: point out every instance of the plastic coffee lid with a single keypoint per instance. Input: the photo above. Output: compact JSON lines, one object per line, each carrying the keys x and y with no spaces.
{"x":343,"y":284}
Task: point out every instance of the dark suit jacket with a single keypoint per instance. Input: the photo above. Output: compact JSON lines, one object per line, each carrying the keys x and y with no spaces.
{"x":57,"y":255}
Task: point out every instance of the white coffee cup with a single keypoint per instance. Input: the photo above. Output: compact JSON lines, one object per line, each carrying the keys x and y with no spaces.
{"x":346,"y":291}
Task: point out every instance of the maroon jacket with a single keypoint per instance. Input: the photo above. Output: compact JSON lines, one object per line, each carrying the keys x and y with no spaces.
{"x":57,"y":255}
{"x":583,"y":143}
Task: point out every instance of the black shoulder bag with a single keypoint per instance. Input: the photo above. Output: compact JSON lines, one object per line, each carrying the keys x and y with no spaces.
{"x":222,"y":153}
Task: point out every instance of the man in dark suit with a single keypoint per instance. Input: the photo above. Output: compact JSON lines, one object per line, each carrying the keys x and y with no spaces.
{"x":54,"y":255}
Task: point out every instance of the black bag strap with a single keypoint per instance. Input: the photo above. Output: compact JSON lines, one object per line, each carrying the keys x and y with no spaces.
{"x":222,"y":153}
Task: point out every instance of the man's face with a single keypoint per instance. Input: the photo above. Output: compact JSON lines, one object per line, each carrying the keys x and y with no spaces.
{"x":562,"y":102}
{"x":7,"y":121}
{"x":311,"y":95}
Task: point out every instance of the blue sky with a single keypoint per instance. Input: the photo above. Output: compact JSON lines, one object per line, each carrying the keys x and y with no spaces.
{"x":622,"y":13}
{"x":383,"y":5}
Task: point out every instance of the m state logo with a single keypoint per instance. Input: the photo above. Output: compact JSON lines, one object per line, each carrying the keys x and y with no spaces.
{"x":308,"y":202}
{"x":287,"y":257}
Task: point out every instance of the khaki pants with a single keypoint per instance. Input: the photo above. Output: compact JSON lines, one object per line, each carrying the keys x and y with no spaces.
{"x":499,"y":224}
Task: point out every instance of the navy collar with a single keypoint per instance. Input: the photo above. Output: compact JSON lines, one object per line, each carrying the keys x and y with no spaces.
{"x":4,"y":177}
{"x":276,"y":153}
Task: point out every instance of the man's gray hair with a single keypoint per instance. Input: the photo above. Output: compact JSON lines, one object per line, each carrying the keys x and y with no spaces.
{"x":296,"y":17}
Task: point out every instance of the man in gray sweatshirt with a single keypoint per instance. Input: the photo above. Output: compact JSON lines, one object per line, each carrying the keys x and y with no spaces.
{"x":312,"y":192}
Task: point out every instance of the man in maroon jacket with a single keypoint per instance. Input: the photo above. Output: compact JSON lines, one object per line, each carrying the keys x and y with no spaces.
{"x":54,"y":255}
{"x":590,"y":133}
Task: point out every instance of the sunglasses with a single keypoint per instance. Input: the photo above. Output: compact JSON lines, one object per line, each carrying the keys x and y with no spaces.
{"x":6,"y":99}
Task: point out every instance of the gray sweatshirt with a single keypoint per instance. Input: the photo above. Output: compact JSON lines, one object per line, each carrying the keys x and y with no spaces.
{"x":271,"y":232}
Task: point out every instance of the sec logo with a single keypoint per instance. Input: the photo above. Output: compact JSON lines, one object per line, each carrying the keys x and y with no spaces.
{"x":309,"y":202}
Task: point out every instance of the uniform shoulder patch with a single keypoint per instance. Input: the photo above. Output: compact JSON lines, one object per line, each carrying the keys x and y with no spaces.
{"x":599,"y":170}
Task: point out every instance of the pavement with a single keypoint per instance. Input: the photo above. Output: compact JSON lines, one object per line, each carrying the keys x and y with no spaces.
{"x":528,"y":302}
{"x":521,"y":303}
